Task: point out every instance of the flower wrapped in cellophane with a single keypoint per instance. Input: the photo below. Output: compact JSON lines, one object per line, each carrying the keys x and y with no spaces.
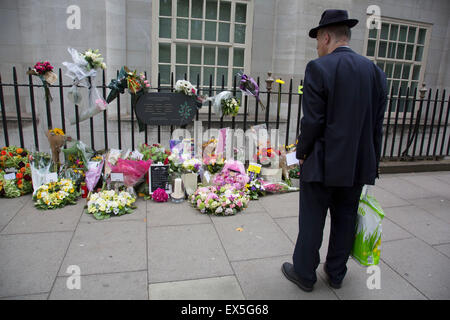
{"x":83,"y":71}
{"x":249,"y":87}
{"x":233,"y":173}
{"x":95,"y":168}
{"x":107,"y":203}
{"x":56,"y":194}
{"x":137,"y":85}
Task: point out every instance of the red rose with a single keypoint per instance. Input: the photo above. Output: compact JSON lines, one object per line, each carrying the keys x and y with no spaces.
{"x":166,"y":161}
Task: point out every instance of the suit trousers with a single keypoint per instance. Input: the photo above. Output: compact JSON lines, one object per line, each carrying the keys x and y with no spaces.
{"x":315,"y":200}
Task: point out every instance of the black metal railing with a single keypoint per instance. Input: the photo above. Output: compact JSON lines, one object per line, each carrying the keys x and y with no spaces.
{"x":414,"y":127}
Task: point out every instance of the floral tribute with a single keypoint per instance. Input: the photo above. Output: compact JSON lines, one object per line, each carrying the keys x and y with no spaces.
{"x":83,"y":70}
{"x":233,"y":173}
{"x":137,"y":85}
{"x":160,"y":195}
{"x":56,"y":194}
{"x":255,"y":189}
{"x":44,"y":70}
{"x":225,"y":200}
{"x":155,"y":152}
{"x":230,"y":107}
{"x":107,"y":203}
{"x":15,"y":173}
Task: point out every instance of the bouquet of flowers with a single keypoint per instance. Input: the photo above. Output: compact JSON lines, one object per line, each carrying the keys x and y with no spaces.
{"x":40,"y":166}
{"x":56,"y":194}
{"x":160,"y":195}
{"x":18,"y":185}
{"x":95,"y":167}
{"x":233,"y":173}
{"x":94,"y":59}
{"x":137,"y":85}
{"x":56,"y":139}
{"x":294,"y":173}
{"x":44,"y":70}
{"x":230,"y":107}
{"x":265,"y":156}
{"x":109,"y":203}
{"x":225,"y":200}
{"x":133,"y":170}
{"x":278,"y":187}
{"x":83,"y":71}
{"x":255,"y":189}
{"x":156,"y":152}
{"x":13,"y":157}
{"x":192,"y":165}
{"x":76,"y":159}
{"x":249,"y":87}
{"x":213,"y":163}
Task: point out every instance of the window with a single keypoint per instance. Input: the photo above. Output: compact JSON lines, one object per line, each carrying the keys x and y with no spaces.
{"x":208,"y":38}
{"x":399,"y":49}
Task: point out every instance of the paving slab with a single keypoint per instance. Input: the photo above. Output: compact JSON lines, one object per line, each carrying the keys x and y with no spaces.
{"x":185,"y":253}
{"x":113,"y":286}
{"x":31,"y":220}
{"x":139,"y":213}
{"x":281,"y":205}
{"x":443,"y":248}
{"x":432,"y":184}
{"x":107,"y":247}
{"x":392,"y":285}
{"x":171,"y":214}
{"x":252,"y":236}
{"x":10,"y":207}
{"x":386,"y":198}
{"x":29,"y":262}
{"x":438,"y":207}
{"x":403,"y":189}
{"x":262,"y":279}
{"x":220,"y":288}
{"x":443,"y":176}
{"x":421,"y":265}
{"x":391,"y":231}
{"x":420,"y":223}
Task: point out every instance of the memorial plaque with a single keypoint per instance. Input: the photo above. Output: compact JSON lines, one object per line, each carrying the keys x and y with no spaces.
{"x":166,"y":108}
{"x":159,"y":178}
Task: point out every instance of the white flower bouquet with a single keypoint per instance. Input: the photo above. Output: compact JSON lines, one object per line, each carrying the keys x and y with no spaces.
{"x":104,"y":204}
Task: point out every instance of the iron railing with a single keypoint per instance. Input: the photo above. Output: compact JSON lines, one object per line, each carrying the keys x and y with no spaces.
{"x":414,"y":127}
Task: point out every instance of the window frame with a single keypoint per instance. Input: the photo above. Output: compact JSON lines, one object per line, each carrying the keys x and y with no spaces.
{"x":423,"y":63}
{"x":173,"y":41}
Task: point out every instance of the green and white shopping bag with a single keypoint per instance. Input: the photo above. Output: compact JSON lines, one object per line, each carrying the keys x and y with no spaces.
{"x":366,"y":248}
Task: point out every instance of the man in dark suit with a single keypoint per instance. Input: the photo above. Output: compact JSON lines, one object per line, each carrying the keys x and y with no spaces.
{"x":339,"y":148}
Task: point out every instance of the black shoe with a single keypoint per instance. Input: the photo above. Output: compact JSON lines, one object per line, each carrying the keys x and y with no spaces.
{"x":334,"y":285}
{"x":288,"y":270}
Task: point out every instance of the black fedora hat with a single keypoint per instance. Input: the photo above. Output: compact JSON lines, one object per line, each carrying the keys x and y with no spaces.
{"x":333,"y":17}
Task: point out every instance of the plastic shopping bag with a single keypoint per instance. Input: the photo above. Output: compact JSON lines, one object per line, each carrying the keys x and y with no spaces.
{"x":366,"y":248}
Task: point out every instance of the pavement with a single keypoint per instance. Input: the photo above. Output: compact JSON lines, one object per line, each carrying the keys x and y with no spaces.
{"x":171,"y":251}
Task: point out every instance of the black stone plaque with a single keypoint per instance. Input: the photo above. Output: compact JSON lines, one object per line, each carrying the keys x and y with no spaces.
{"x":166,"y":108}
{"x":159,"y":178}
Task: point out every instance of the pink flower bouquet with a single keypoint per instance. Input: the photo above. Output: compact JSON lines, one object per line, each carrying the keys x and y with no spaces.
{"x":277,"y":187}
{"x":133,"y":170}
{"x":233,"y":173}
{"x":219,"y":201}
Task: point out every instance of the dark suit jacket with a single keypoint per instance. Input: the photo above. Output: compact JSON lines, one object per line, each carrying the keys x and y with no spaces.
{"x":344,"y":100}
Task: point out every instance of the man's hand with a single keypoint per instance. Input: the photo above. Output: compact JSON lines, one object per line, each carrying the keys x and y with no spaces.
{"x":301,"y":161}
